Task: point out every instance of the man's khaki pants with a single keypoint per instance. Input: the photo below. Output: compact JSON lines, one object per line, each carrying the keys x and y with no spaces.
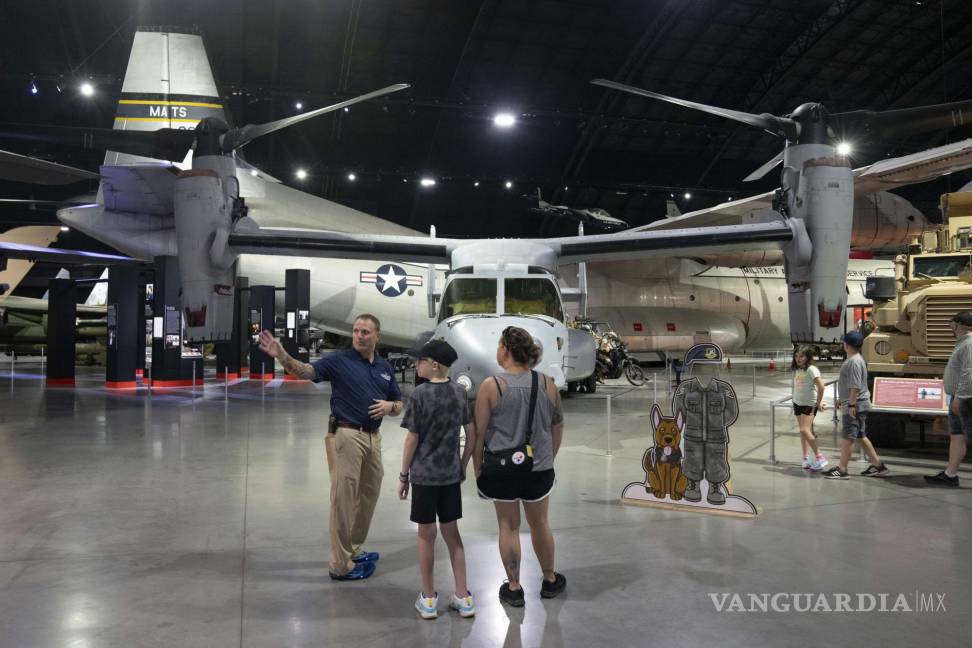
{"x":354,"y":462}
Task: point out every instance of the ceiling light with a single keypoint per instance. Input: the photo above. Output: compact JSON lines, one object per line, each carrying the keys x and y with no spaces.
{"x":504,"y":120}
{"x":509,"y":184}
{"x":299,"y":106}
{"x":844,"y":149}
{"x":33,"y":88}
{"x":476,"y":184}
{"x":404,"y":179}
{"x":427,"y":182}
{"x":65,"y":228}
{"x":301,"y":174}
{"x":347,"y":109}
{"x":352,"y":177}
{"x":87,"y":89}
{"x":687,"y":196}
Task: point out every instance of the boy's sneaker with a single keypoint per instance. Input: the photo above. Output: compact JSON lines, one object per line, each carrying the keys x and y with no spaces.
{"x":834,"y":473}
{"x":427,"y":606}
{"x":464,"y":606}
{"x":941,"y":479}
{"x":819,"y":463}
{"x":550,"y":589}
{"x":876,"y":471}
{"x":807,"y":464}
{"x":513,"y":598}
{"x":361,"y":571}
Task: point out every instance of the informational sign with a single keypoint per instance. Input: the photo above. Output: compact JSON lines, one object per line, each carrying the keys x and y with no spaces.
{"x":173,"y":321}
{"x":256,"y":324}
{"x":291,"y":320}
{"x":157,"y":327}
{"x":910,"y":394}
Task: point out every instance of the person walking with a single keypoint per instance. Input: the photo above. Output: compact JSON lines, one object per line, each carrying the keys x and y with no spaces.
{"x":808,"y":392}
{"x":958,"y":385}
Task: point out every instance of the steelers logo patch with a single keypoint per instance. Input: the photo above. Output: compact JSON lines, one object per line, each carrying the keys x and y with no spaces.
{"x":518,"y":458}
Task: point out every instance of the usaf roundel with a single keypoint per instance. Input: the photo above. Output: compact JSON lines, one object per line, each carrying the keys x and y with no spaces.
{"x":391,"y":280}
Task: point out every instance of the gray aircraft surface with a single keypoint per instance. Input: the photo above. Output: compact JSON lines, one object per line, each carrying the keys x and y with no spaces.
{"x":218,"y":213}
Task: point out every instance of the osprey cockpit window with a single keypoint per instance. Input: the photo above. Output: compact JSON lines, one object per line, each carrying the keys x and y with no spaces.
{"x":468,"y":296}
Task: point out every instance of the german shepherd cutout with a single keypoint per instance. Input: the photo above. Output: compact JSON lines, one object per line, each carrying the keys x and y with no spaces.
{"x":663,"y":461}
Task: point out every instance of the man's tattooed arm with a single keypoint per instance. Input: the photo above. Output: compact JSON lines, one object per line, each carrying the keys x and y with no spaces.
{"x":297,"y":368}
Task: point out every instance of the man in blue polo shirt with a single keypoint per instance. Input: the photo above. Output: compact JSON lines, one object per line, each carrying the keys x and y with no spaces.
{"x":363,"y":391}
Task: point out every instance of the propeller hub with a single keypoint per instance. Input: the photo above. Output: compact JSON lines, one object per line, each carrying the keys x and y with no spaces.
{"x":812,"y":118}
{"x":209,"y":133}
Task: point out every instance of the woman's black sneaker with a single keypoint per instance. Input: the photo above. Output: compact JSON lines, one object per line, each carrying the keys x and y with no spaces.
{"x":513,"y":598}
{"x":550,"y":589}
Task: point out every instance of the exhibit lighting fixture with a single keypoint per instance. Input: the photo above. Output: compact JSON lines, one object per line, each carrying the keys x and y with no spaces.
{"x":352,"y":177}
{"x":404,"y":179}
{"x":253,"y":172}
{"x":65,"y":228}
{"x":509,"y":184}
{"x":427,"y":182}
{"x":33,"y":88}
{"x":687,"y":196}
{"x":87,"y":89}
{"x":299,"y":106}
{"x":476,"y":184}
{"x":844,"y":149}
{"x":301,"y":174}
{"x":504,"y":120}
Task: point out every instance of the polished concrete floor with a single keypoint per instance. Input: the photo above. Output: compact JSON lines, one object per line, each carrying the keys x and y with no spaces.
{"x":173,"y":519}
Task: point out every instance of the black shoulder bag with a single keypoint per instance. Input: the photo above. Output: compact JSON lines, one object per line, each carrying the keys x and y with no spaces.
{"x":517,"y":461}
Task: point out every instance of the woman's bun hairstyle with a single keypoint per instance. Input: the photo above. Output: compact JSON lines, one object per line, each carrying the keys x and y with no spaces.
{"x":521,"y":346}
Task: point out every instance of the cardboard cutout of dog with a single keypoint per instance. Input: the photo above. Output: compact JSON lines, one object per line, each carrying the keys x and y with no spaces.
{"x":663,"y":461}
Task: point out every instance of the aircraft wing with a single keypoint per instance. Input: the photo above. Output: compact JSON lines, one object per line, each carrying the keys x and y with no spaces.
{"x":340,"y":245}
{"x":880,"y":176}
{"x":571,"y":249}
{"x":139,"y":188}
{"x":13,"y":250}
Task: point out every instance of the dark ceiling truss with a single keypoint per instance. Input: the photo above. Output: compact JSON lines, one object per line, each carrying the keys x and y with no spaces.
{"x":781,"y":66}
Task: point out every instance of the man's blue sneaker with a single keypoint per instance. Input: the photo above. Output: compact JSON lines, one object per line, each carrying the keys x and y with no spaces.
{"x":366,"y":556}
{"x":361,"y":571}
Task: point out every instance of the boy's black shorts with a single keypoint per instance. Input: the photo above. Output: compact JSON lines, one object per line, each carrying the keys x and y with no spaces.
{"x":429,"y":501}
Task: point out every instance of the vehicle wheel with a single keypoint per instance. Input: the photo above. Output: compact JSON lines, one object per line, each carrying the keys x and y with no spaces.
{"x":634,"y":373}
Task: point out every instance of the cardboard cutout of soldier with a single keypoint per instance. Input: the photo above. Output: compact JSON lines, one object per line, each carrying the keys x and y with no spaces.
{"x":688,"y":465}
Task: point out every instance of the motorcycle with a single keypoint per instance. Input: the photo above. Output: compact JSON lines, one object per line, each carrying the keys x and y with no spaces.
{"x":613,"y":361}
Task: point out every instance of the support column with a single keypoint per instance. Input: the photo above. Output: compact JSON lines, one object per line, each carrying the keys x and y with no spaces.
{"x":296,"y":340}
{"x":261,"y":318}
{"x":124,"y":314}
{"x":169,"y":369}
{"x":62,"y":315}
{"x":229,"y":354}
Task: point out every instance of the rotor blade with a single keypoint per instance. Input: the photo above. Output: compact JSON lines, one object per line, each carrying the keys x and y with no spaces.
{"x":766,"y":168}
{"x":905,"y":121}
{"x":237,"y":137}
{"x":779,"y":126}
{"x":164,"y":144}
{"x":22,"y":168}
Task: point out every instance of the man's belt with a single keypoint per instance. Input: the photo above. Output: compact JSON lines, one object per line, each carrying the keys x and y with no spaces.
{"x":354,"y":426}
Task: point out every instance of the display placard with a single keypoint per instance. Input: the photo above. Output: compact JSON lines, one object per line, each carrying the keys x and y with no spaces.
{"x":910,"y":394}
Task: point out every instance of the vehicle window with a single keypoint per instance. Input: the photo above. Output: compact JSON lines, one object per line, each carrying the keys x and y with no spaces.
{"x":532,"y":296}
{"x":468,"y":297}
{"x":942,"y":266}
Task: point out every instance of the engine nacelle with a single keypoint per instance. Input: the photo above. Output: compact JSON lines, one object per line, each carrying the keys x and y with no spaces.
{"x":203,"y":215}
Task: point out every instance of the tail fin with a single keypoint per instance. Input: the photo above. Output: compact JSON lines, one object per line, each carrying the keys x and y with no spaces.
{"x":99,"y":294}
{"x":17,"y":269}
{"x":61,"y":274}
{"x":169,"y":83}
{"x":671,"y":209}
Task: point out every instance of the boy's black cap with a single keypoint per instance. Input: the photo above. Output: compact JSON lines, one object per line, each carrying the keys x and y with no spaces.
{"x":964,"y":318}
{"x":438,"y":350}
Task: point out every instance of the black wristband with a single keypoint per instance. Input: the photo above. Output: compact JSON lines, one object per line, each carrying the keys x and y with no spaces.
{"x":403,"y":477}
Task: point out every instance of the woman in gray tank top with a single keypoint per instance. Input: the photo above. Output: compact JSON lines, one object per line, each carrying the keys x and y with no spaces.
{"x":502,"y":415}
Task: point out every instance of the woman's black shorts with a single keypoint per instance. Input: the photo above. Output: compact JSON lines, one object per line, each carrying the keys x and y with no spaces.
{"x":530,"y":488}
{"x":431,"y":501}
{"x":804,"y":410}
